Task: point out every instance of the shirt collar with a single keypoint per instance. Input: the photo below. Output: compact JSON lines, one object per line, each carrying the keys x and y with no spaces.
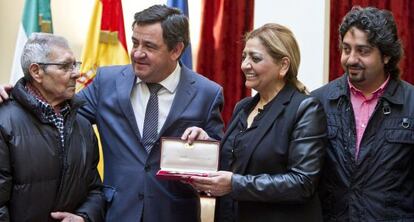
{"x":171,"y":82}
{"x":377,"y":93}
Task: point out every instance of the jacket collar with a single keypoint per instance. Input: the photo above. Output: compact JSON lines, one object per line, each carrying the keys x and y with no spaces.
{"x":275,"y":110}
{"x":185,"y":93}
{"x":124,"y":85}
{"x":339,"y":89}
{"x":29,"y":102}
{"x":394,"y":92}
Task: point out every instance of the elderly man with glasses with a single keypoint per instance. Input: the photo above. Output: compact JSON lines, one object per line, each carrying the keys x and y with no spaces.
{"x":48,"y":153}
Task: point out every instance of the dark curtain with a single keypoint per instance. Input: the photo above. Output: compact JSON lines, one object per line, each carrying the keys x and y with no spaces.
{"x":224,"y":23}
{"x":403,"y":11}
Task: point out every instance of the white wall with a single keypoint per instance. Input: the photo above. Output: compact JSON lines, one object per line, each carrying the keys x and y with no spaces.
{"x":10,"y":13}
{"x":71,"y":19}
{"x":307,"y":20}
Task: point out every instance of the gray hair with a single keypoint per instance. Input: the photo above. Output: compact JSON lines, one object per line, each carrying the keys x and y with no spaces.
{"x":38,"y":48}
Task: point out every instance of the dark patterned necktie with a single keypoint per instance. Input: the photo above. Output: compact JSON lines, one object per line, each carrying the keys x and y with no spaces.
{"x":150,"y":131}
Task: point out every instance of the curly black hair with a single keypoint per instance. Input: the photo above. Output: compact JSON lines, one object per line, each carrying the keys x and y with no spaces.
{"x":382,"y":33}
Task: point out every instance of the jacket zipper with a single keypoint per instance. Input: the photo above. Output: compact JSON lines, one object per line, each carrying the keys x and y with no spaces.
{"x":63,"y":156}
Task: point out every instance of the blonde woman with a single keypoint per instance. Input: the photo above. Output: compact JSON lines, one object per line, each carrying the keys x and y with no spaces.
{"x":271,"y":154}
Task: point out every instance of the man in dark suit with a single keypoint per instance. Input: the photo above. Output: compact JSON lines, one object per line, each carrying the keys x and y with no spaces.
{"x":117,"y":103}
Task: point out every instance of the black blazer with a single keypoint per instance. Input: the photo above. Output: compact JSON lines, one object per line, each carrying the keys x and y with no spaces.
{"x":278,"y":173}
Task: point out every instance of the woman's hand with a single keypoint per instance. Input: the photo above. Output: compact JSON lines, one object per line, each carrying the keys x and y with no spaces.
{"x":216,"y":184}
{"x":194,"y":133}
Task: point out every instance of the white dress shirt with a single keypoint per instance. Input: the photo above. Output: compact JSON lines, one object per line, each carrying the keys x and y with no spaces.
{"x":140,"y":96}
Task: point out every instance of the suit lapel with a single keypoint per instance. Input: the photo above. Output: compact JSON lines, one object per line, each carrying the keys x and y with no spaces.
{"x":233,"y":123}
{"x":124,"y":85}
{"x":185,"y":93}
{"x":226,"y":155}
{"x":271,"y":116}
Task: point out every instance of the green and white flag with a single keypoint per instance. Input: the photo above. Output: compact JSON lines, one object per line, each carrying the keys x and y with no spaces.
{"x":36,"y":18}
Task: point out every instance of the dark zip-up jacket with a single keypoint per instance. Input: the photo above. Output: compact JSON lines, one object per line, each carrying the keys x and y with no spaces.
{"x":379,"y":185}
{"x":37,"y":175}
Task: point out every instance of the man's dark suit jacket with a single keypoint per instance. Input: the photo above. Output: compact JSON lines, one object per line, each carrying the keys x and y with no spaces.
{"x":127,"y":166}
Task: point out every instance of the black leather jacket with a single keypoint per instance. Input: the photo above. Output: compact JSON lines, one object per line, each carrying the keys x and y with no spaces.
{"x":277,"y":166}
{"x":379,"y":185}
{"x":37,"y":176}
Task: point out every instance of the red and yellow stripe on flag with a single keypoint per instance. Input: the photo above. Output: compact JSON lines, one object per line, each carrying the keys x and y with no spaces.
{"x":105,"y":45}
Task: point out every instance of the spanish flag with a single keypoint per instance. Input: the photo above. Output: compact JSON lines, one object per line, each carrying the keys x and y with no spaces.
{"x":105,"y":45}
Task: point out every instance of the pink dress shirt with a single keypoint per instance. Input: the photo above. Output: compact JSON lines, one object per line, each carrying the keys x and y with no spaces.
{"x":363,"y":109}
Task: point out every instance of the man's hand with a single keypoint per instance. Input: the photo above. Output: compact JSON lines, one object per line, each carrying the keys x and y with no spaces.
{"x":4,"y":92}
{"x":66,"y":217}
{"x":194,"y":133}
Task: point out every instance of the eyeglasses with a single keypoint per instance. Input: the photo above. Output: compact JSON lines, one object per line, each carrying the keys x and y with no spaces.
{"x":67,"y":67}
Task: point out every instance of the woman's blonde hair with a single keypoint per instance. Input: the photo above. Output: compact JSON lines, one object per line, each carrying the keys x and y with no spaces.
{"x":280,"y":42}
